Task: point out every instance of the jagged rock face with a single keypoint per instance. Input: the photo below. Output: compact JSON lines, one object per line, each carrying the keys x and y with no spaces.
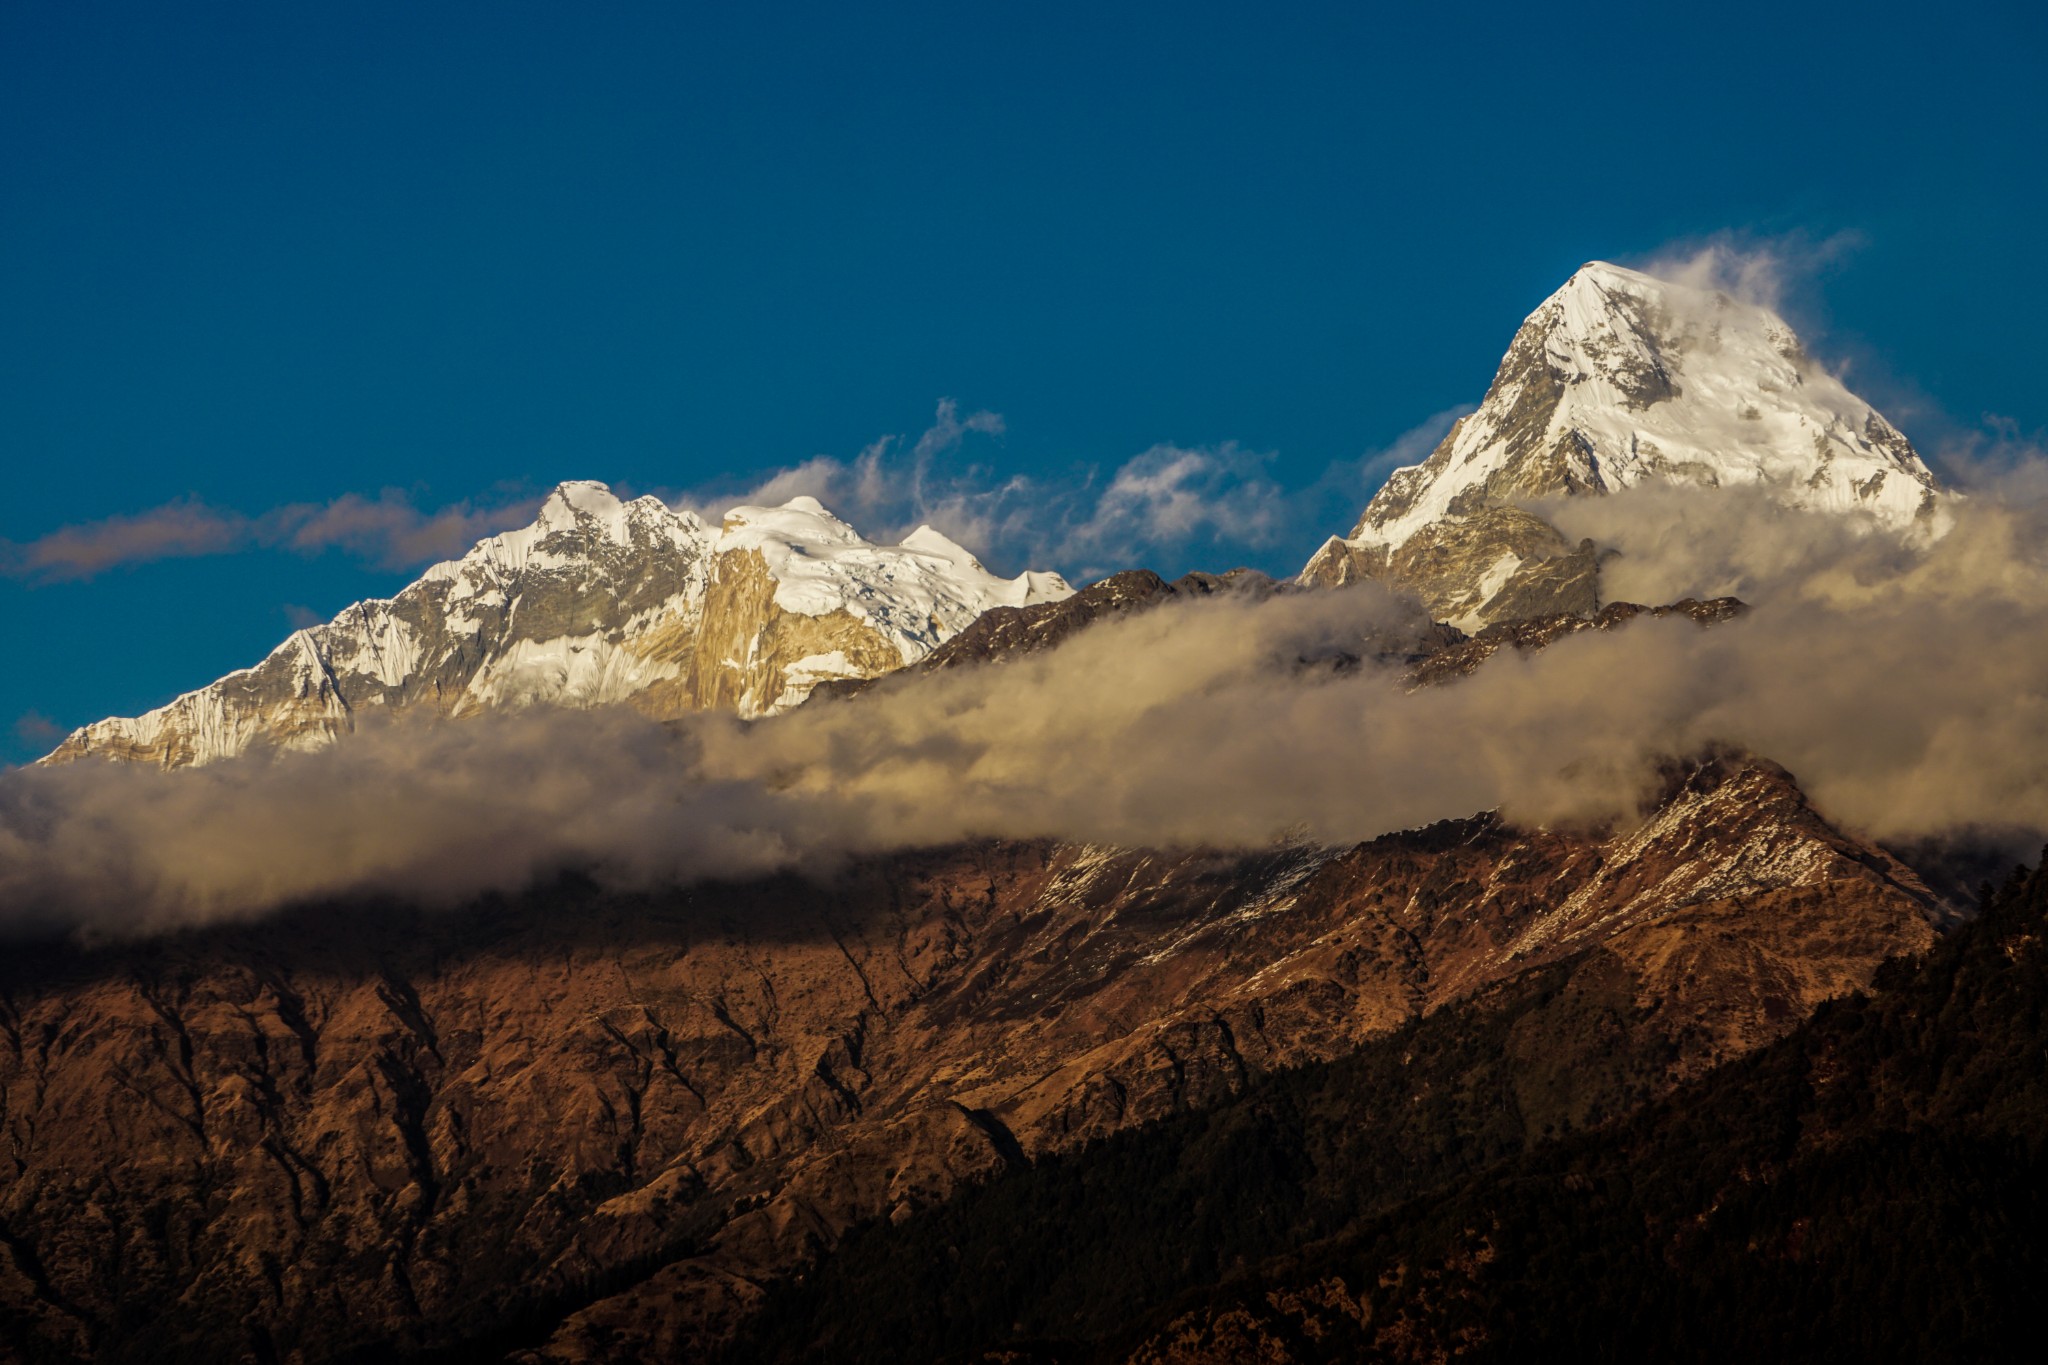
{"x":1619,"y":380}
{"x":1463,"y":657}
{"x":613,"y":1119}
{"x":598,"y":602}
{"x":1004,"y":633}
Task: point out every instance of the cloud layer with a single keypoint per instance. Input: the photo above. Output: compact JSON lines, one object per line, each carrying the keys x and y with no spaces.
{"x":1903,"y":684}
{"x":1906,"y":689}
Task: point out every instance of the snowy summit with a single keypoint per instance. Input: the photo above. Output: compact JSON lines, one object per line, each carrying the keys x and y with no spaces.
{"x":599,"y":601}
{"x":1621,"y":379}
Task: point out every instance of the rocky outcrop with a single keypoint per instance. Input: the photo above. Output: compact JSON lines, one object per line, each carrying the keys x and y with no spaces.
{"x":1012,"y":632}
{"x":598,"y":602}
{"x":1616,"y":381}
{"x":1495,"y":565}
{"x":1463,"y":657}
{"x":750,"y":655}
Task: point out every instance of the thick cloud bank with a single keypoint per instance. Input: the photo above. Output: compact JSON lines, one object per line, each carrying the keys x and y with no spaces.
{"x":1905,"y":686}
{"x":436,"y":812}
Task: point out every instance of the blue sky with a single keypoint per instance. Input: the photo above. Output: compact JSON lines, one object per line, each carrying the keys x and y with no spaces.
{"x":264,"y":257}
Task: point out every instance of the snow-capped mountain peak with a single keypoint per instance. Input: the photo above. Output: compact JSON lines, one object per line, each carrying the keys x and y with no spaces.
{"x":1620,"y":379}
{"x":599,"y":600}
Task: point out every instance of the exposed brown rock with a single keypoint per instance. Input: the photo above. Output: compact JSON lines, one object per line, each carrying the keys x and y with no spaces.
{"x":1464,"y":657}
{"x":615,"y":1119}
{"x":745,"y":647}
{"x":1450,"y":566}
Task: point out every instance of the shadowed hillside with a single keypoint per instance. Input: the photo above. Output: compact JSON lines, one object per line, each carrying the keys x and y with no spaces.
{"x":1871,"y":1187}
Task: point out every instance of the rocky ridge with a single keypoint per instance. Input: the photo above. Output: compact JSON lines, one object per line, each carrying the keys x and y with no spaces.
{"x":1462,"y":657}
{"x":1620,"y":380}
{"x":1868,"y":1188}
{"x":1004,"y":634}
{"x":612,"y":1119}
{"x":599,"y":601}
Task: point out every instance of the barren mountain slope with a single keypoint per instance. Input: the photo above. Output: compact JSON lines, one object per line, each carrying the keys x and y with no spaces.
{"x":1870,"y":1188}
{"x":610,"y":1119}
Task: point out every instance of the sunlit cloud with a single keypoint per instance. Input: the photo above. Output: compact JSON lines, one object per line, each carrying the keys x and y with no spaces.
{"x":1221,"y":503}
{"x":1902,"y":685}
{"x":1764,"y":270}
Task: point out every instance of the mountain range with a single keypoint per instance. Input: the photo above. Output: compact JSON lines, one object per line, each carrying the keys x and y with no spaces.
{"x":1618,"y":380}
{"x":599,"y":602}
{"x":1012,"y":1100}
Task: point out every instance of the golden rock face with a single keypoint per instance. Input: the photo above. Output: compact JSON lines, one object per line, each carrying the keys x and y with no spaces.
{"x":748,"y":652}
{"x":1497,"y":564}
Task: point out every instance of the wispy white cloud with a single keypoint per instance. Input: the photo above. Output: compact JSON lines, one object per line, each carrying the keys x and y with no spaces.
{"x":1996,"y":458}
{"x":892,"y":486}
{"x":1766,"y":270}
{"x":1172,"y":497}
{"x":1221,"y":501}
